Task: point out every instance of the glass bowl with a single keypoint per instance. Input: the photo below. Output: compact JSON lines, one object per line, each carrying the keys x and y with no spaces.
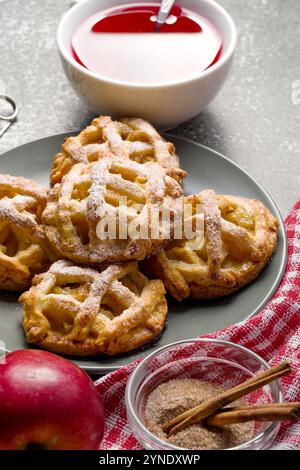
{"x":214,"y":361}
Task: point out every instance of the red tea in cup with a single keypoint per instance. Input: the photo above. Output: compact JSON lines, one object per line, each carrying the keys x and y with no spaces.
{"x":121,"y":43}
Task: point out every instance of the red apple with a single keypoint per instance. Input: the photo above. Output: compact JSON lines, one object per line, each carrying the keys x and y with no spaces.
{"x":47,"y":402}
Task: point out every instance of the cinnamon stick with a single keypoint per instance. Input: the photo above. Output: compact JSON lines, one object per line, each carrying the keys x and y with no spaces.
{"x":263,"y":412}
{"x":209,"y":407}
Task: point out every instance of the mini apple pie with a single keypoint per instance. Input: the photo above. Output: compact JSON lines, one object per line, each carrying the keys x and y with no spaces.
{"x":80,"y":311}
{"x":22,"y":239}
{"x":238,"y":239}
{"x":130,"y":138}
{"x":101,"y":212}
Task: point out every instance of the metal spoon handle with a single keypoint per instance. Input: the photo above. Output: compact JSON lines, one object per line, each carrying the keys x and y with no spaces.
{"x":8,"y":118}
{"x":164,"y":11}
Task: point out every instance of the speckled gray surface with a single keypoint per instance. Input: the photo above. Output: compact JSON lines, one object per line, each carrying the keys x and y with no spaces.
{"x":255,"y":120}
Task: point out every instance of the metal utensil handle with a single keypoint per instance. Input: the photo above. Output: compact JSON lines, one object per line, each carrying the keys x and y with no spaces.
{"x":165,"y":8}
{"x":10,"y":118}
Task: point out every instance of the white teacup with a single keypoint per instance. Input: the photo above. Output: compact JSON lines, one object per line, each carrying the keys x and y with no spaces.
{"x":166,"y":105}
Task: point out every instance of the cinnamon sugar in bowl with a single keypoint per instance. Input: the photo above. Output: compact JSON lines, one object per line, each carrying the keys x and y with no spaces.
{"x":175,"y":396}
{"x":179,"y":376}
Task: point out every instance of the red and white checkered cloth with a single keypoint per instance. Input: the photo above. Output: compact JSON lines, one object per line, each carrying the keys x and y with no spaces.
{"x":274,"y":334}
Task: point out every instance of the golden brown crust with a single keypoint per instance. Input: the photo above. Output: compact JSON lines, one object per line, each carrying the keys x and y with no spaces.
{"x":90,"y":193}
{"x":129,"y":138}
{"x":79,"y":311}
{"x":22,"y":239}
{"x":240,"y":236}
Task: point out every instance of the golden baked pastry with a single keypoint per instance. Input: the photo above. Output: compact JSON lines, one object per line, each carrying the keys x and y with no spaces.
{"x":92,"y":194}
{"x":22,"y":239}
{"x":131,"y":138}
{"x":240,"y":236}
{"x":80,"y":311}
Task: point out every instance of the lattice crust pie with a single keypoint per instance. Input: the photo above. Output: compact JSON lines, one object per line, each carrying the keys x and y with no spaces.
{"x":91,"y":194}
{"x":22,"y":239}
{"x":131,"y":138}
{"x":240,"y":236}
{"x":80,"y":311}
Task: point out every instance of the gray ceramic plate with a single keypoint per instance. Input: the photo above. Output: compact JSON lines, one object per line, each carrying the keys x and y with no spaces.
{"x":206,"y":169}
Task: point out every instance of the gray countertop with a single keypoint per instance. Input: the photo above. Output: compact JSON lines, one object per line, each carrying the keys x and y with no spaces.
{"x":255,"y":120}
